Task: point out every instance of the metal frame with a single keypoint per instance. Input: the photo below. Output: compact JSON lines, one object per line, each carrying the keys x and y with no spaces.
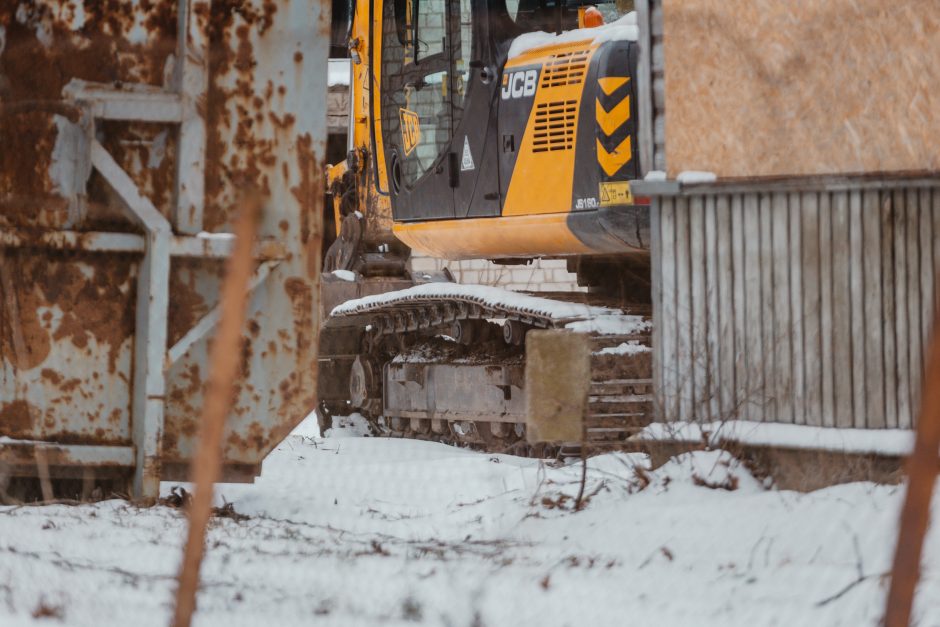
{"x":644,"y":85}
{"x":158,"y":245}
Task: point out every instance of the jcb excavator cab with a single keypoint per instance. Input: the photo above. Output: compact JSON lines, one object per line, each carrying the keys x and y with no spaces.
{"x":502,"y":130}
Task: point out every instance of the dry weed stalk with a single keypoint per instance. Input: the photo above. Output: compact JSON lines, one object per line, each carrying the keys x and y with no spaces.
{"x":922,"y":468}
{"x":223,"y":368}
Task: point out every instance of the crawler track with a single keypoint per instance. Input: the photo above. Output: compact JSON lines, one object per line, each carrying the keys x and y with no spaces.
{"x":473,"y":332}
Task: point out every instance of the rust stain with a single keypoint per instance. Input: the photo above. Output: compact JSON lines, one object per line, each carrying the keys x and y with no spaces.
{"x":187,"y":386}
{"x":293,"y":389}
{"x":231,"y":25}
{"x":34,"y":69}
{"x":25,"y":326}
{"x":189,"y":302}
{"x":17,"y":419}
{"x":309,"y":195}
{"x":254,"y":441}
{"x":95,"y":300}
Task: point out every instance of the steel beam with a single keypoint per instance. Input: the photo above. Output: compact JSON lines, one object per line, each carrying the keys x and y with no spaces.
{"x":644,"y":83}
{"x":98,"y":242}
{"x":143,"y":103}
{"x":147,"y":406}
{"x":22,"y":453}
{"x":192,"y":78}
{"x":219,"y":246}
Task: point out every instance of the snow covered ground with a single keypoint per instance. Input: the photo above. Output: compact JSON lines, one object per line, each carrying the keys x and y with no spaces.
{"x":366,"y":531}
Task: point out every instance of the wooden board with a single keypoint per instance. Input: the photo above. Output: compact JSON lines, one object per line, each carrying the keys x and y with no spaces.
{"x":757,"y":88}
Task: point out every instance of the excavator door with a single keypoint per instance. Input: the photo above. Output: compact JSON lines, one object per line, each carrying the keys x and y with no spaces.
{"x":436,"y":125}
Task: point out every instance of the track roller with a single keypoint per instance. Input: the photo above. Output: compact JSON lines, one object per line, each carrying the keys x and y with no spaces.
{"x":514,"y":332}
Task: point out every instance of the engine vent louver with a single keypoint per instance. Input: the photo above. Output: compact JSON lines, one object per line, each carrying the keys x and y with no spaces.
{"x":554,"y":126}
{"x":565,"y":68}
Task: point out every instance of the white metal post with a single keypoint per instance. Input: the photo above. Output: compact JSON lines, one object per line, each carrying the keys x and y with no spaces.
{"x":192,"y":80}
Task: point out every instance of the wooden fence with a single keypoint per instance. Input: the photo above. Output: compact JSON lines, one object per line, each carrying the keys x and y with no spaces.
{"x":803,"y":302}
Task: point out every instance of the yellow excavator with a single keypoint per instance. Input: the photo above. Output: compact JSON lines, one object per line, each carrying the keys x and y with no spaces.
{"x":482,"y":129}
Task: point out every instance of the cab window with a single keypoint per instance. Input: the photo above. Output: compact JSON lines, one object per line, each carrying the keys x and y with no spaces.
{"x":557,"y":16}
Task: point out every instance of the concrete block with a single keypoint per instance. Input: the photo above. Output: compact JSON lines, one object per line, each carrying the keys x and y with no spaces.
{"x":557,"y":383}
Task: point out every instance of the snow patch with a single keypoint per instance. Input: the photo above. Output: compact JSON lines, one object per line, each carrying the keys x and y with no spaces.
{"x":611,"y":324}
{"x":345,"y":275}
{"x":383,"y":531}
{"x":625,"y":348}
{"x":308,"y":427}
{"x":352,"y":426}
{"x":219,"y":237}
{"x":338,"y":72}
{"x":896,"y":442}
{"x":483,"y":294}
{"x":624,"y":29}
{"x":691,"y":177}
{"x":716,"y":470}
{"x":655,"y":175}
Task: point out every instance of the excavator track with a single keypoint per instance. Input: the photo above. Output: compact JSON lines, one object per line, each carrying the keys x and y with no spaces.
{"x":446,"y":362}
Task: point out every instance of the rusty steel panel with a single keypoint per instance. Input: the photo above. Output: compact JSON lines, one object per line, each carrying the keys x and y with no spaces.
{"x":107,"y":137}
{"x":66,"y":333}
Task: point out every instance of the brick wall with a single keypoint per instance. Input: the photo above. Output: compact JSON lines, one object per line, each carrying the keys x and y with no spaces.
{"x":544,"y":275}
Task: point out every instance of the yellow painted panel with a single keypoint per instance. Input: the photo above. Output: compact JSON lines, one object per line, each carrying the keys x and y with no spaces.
{"x":611,"y":162}
{"x":536,"y":55}
{"x":542,"y":182}
{"x":376,"y":56}
{"x":610,"y":84}
{"x":481,"y":238}
{"x":610,"y":121}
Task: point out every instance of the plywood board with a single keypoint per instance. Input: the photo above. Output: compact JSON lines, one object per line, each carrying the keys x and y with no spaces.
{"x":758,"y":88}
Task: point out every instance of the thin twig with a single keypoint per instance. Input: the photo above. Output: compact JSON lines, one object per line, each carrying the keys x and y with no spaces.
{"x":847,"y":588}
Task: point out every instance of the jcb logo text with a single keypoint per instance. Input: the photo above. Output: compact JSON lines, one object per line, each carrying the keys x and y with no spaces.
{"x":519,"y":84}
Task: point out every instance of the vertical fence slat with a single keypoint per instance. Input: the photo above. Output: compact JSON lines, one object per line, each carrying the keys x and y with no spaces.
{"x":656,"y":263}
{"x":935,"y":206}
{"x":752,"y":286}
{"x":668,"y":325}
{"x":782,"y":328}
{"x":841,"y":311}
{"x":856,"y":364}
{"x":684,"y":320}
{"x":825,"y":294}
{"x":927,"y":276}
{"x":874,"y":340}
{"x":888,"y":295}
{"x":812,"y":339}
{"x":726,"y":306}
{"x":768,"y":335}
{"x":699,"y":313}
{"x":796,"y":308}
{"x":900,"y":300}
{"x":712,"y":288}
{"x":915,"y":347}
{"x":739,"y":261}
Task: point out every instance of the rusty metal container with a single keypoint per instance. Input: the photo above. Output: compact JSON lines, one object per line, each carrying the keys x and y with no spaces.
{"x":127,"y":130}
